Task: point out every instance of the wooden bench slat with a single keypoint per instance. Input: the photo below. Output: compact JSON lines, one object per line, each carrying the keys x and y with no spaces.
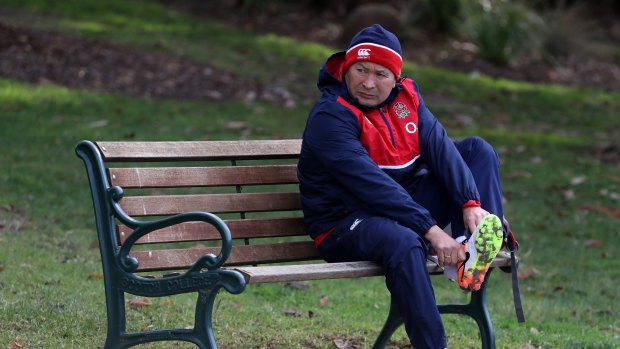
{"x":239,"y":229}
{"x":167,"y":177}
{"x":240,"y":255}
{"x":215,"y":203}
{"x":199,"y":150}
{"x":320,"y":271}
{"x":303,"y":272}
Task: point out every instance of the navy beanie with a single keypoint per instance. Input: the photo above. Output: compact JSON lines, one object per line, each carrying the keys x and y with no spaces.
{"x":377,"y":45}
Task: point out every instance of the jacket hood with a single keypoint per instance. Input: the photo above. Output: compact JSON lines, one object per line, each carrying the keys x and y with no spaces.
{"x":331,"y":81}
{"x":330,"y":75}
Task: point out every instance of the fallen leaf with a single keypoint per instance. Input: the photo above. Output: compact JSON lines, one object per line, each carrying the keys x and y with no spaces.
{"x":521,"y":148}
{"x":578,"y":180}
{"x":140,"y":302}
{"x":593,"y":243}
{"x":1,"y":268}
{"x":15,"y":345}
{"x":95,"y":276}
{"x":519,"y":174}
{"x":168,"y":301}
{"x":536,"y":160}
{"x":464,"y":120}
{"x":293,"y":312}
{"x":324,"y":300}
{"x":98,"y":123}
{"x":524,"y":275}
{"x":236,"y":124}
{"x":556,"y":188}
{"x":603,"y":254}
{"x":502,"y":117}
{"x":609,"y":211}
{"x":342,"y":344}
{"x":298,"y":285}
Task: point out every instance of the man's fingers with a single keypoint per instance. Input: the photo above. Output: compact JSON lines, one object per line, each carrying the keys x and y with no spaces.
{"x":451,"y":257}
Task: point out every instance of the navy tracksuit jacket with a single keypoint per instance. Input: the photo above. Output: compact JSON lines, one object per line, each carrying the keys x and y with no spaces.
{"x":369,"y":177}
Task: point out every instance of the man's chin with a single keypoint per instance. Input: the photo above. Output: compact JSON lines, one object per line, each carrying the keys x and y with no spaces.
{"x":367,"y":102}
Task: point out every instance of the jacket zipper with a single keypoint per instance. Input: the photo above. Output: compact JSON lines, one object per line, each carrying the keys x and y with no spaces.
{"x":388,"y":125}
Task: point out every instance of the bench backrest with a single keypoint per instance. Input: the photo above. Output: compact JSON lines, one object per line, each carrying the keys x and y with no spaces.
{"x":252,"y":185}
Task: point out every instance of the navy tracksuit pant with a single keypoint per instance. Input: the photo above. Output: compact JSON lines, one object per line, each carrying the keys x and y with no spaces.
{"x":402,"y":252}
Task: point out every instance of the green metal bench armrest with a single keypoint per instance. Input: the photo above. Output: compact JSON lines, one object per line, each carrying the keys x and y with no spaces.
{"x":142,"y":228}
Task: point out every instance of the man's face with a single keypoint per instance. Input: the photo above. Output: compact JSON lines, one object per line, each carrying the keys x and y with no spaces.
{"x":369,"y":83}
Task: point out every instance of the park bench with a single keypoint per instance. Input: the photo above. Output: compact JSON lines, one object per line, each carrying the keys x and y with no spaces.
{"x":181,"y":217}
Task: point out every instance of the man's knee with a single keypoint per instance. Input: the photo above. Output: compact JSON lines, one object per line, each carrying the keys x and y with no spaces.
{"x":477,"y":148}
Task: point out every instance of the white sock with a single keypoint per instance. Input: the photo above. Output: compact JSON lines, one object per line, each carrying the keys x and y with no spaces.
{"x":449,"y":271}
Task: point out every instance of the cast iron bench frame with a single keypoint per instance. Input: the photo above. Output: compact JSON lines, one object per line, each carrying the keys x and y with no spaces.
{"x":157,"y":167}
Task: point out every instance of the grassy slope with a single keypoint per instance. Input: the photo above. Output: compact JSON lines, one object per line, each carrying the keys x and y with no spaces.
{"x":50,"y":295}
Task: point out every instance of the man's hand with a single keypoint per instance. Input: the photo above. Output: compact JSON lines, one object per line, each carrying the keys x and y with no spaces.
{"x":472,"y":216}
{"x":448,"y":250}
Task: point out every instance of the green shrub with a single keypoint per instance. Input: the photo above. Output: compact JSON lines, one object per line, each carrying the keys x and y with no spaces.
{"x":440,"y":16}
{"x":565,"y":32}
{"x":505,"y":30}
{"x":498,"y":28}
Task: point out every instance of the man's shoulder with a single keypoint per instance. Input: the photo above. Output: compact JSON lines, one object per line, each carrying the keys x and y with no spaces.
{"x":332,"y":104}
{"x":409,"y":84}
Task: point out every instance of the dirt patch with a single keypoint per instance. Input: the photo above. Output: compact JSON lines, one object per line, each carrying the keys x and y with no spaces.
{"x":608,"y":153}
{"x":41,"y":57}
{"x":12,"y":218}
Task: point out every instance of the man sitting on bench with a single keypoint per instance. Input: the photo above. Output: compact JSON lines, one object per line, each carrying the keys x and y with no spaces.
{"x":379,"y":178}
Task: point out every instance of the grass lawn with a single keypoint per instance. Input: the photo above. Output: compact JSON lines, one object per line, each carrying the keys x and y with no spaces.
{"x":562,"y":199}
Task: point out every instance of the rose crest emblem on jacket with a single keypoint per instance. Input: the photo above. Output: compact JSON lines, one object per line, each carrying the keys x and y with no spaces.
{"x":401,"y":110}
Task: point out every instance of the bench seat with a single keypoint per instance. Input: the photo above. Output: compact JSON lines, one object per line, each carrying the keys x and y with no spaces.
{"x":320,"y":271}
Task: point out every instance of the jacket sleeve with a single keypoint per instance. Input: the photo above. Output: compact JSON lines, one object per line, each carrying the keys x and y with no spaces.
{"x":443,"y":159}
{"x":333,"y":136}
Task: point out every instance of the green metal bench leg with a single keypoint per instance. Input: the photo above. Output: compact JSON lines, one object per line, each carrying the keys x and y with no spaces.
{"x":116,"y":320}
{"x":203,"y":327}
{"x":201,"y":334}
{"x":392,"y":323}
{"x":483,"y":319}
{"x":476,"y":308}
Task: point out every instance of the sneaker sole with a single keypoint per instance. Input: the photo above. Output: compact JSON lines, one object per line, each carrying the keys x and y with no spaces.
{"x":482,"y":247}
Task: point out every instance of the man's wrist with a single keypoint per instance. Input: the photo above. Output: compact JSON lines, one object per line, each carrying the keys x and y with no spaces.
{"x":472,"y":203}
{"x":433,"y":232}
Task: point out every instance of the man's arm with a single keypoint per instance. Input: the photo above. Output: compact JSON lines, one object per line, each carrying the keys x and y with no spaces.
{"x":444,"y":160}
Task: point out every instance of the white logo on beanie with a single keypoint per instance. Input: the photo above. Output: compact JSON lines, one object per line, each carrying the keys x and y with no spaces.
{"x":363,"y":53}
